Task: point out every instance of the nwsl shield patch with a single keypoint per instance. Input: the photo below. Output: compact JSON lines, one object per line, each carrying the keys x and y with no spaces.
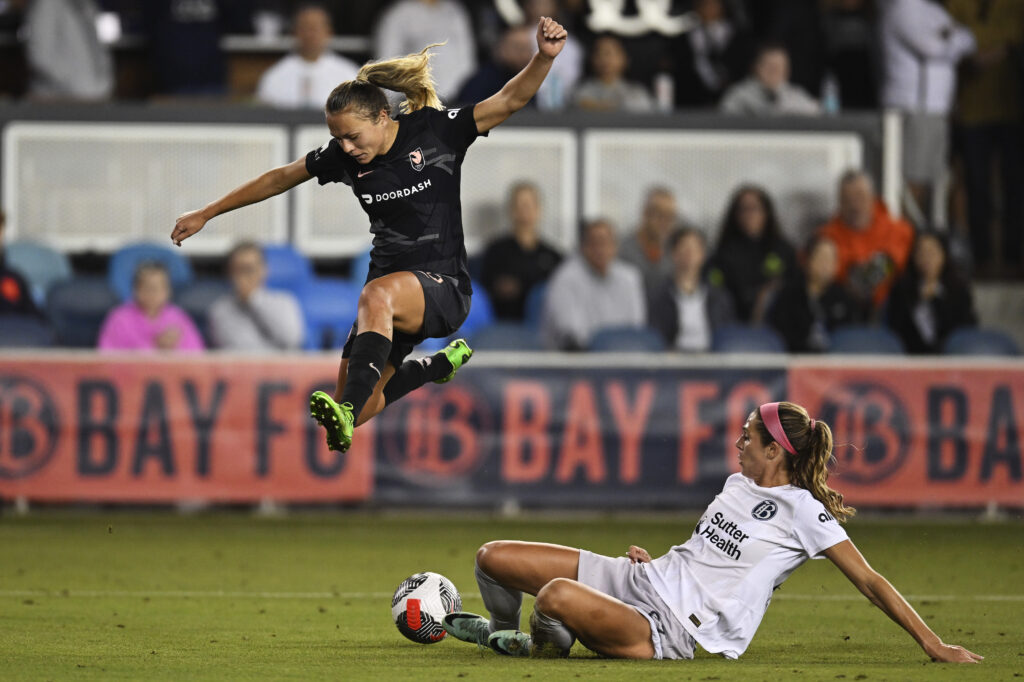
{"x":416,"y":159}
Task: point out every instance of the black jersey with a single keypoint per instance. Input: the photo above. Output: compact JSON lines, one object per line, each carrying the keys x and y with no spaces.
{"x":411,"y":193}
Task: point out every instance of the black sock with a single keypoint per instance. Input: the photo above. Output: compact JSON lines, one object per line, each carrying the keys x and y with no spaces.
{"x":366,"y":362}
{"x":414,"y":373}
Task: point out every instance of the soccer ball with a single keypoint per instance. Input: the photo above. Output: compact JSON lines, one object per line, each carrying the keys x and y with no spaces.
{"x":420,"y":604}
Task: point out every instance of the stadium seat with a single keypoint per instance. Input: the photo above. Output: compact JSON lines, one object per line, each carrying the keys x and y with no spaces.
{"x":127,"y":259}
{"x":329,"y":307}
{"x":40,"y":265}
{"x":287,"y":267}
{"x":26,"y":331}
{"x":506,"y":336}
{"x":195,"y":298}
{"x":975,"y":341}
{"x":865,"y":340}
{"x":358,"y":268}
{"x":534,"y":307}
{"x":481,"y":314}
{"x":626,"y":339}
{"x":743,"y":339}
{"x":77,"y":308}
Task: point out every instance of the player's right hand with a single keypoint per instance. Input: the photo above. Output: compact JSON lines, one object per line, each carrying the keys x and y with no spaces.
{"x":638,"y":555}
{"x":187,"y":225}
{"x":952,"y":653}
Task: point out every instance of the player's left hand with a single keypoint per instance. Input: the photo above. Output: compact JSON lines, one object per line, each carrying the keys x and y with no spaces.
{"x":952,"y":653}
{"x":550,"y":37}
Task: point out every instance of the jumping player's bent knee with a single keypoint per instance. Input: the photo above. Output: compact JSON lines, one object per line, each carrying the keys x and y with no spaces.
{"x":375,"y":297}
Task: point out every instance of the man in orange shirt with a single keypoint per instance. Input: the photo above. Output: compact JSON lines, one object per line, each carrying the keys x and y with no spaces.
{"x":873,"y":245}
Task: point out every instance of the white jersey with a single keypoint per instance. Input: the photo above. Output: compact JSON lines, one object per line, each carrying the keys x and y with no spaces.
{"x":294,"y":83}
{"x":720,"y":582}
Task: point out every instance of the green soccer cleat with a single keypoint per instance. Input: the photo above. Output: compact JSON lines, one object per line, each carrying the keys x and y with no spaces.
{"x":511,"y":642}
{"x":458,"y":353}
{"x":468,"y":627}
{"x":337,"y":418}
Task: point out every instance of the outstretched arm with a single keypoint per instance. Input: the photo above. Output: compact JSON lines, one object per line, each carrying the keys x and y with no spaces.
{"x":883,"y":595}
{"x":269,"y":184}
{"x":524,"y":85}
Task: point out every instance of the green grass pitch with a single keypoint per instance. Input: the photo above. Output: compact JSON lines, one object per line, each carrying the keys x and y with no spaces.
{"x":226,"y":596}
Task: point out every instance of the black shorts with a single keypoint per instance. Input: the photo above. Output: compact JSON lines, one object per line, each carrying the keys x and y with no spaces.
{"x":445,"y":309}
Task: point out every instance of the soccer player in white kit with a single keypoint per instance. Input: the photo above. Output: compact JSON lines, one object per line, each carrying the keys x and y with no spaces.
{"x":712,"y":590}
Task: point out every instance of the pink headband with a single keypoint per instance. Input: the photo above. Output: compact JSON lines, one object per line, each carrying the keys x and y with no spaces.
{"x":770,"y":417}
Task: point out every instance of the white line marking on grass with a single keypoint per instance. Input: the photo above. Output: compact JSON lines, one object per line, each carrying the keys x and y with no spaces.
{"x":239,"y":594}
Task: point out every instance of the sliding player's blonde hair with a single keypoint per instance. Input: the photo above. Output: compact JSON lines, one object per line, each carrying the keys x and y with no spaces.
{"x":409,"y":75}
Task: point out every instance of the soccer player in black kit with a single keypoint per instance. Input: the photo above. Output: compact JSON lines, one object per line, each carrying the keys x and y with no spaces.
{"x":405,"y":172}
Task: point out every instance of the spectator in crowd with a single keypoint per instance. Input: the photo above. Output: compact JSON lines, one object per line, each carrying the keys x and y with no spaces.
{"x":607,"y":89}
{"x":591,"y":291}
{"x":306,"y":77}
{"x":930,"y":299}
{"x":753,"y":257}
{"x":711,"y":56}
{"x":15,"y":294}
{"x":921,"y":45}
{"x":685,"y":310}
{"x":767,"y":91}
{"x":184,"y":41}
{"x":988,"y":117}
{"x":811,"y":306}
{"x":252,"y":317}
{"x":851,"y":44}
{"x":150,"y":321}
{"x":566,"y":71}
{"x":65,"y":57}
{"x":409,"y":24}
{"x":645,"y":248}
{"x":515,"y":263}
{"x":873,"y":245}
{"x":513,"y":52}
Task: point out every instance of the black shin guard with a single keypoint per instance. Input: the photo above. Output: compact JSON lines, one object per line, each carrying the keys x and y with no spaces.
{"x":414,"y":373}
{"x":365,"y":364}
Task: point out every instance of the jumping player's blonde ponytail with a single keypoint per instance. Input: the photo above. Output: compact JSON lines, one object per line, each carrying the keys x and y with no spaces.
{"x":409,"y":75}
{"x":808,"y":468}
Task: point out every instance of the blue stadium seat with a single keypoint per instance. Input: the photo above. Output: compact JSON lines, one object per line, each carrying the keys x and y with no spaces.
{"x":626,"y":339}
{"x":127,"y":259}
{"x":195,"y":298}
{"x":41,"y":266}
{"x":739,"y":338}
{"x":77,"y":308}
{"x":975,"y":341}
{"x":287,"y":267}
{"x":329,"y":307}
{"x":358,"y":268}
{"x":26,"y":331}
{"x":506,"y":336}
{"x":481,"y":314}
{"x":865,"y":340}
{"x":534,"y":307}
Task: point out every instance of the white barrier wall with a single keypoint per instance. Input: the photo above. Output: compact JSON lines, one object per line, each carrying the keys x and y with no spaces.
{"x":96,"y":186}
{"x":81,"y":186}
{"x":799,"y":170}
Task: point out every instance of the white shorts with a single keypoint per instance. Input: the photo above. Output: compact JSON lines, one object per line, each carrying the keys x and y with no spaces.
{"x":628,"y":582}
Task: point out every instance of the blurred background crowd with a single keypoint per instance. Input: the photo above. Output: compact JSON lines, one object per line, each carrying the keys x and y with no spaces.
{"x":872,"y":278}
